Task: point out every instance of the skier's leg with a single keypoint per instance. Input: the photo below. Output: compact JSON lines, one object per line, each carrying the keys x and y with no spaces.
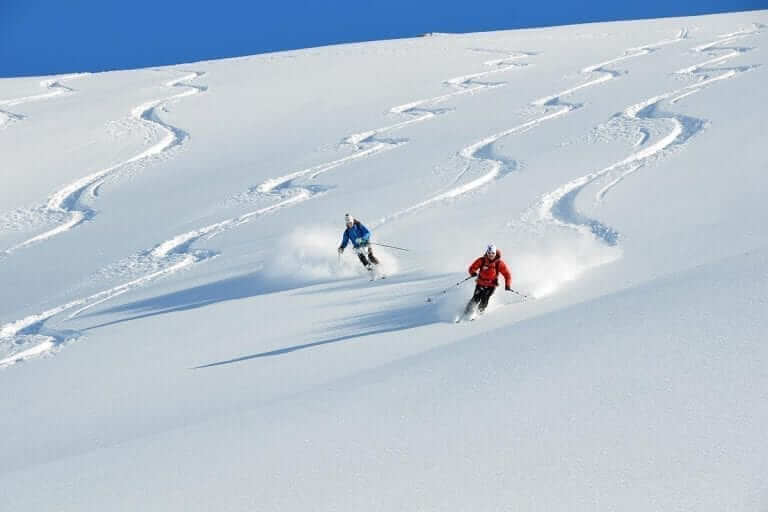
{"x":371,"y":257}
{"x":469,"y":307}
{"x":363,"y":259}
{"x":486,"y":296}
{"x":473,"y":301}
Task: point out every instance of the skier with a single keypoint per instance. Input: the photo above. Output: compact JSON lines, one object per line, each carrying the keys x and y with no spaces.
{"x":487,"y":269}
{"x":360,"y":238}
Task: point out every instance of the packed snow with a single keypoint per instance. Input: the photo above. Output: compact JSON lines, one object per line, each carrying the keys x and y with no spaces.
{"x":178,"y":331}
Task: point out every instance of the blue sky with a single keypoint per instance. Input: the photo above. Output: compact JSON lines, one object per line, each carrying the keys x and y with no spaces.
{"x":45,"y":37}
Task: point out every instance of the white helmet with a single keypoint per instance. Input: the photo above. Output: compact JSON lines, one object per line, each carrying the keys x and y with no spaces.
{"x":490,"y":250}
{"x":348,"y":219}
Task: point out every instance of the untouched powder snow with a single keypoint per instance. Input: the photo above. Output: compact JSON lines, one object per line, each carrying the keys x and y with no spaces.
{"x":178,"y":331}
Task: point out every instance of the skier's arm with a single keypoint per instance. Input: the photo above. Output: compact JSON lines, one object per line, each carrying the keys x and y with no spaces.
{"x":503,"y":270}
{"x":474,"y":267}
{"x":344,"y":239}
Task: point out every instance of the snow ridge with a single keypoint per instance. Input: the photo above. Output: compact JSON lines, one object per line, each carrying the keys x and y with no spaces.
{"x":558,"y":207}
{"x":54,"y":87}
{"x":480,"y":152}
{"x":66,"y":202}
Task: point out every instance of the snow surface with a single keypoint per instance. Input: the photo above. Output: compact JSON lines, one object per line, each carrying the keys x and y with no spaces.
{"x":177,"y":331}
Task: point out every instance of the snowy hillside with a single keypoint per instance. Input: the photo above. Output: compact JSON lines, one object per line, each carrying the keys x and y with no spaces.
{"x":177,"y":331}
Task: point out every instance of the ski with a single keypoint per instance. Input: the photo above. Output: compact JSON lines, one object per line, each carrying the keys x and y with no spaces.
{"x":466,"y":318}
{"x":374,"y":273}
{"x":470,"y":312}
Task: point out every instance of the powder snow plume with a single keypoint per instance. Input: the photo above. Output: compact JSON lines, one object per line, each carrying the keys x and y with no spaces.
{"x":309,"y":255}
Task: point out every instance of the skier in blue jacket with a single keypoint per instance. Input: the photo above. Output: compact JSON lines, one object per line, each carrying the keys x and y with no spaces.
{"x":361,"y":241}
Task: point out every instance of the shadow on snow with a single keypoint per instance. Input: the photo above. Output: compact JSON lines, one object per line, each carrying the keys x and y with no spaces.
{"x":233,"y":288}
{"x":361,"y":326}
{"x":254,"y":284}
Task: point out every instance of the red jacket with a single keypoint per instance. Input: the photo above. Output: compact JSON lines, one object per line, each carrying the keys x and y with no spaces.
{"x":489,"y":271}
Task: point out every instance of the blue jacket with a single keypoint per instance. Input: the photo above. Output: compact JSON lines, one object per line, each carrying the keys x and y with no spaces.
{"x":352,"y":234}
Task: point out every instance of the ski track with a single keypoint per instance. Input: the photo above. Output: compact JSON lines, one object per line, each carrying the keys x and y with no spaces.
{"x":481,"y":152}
{"x":175,"y":254}
{"x":29,"y":336}
{"x":368,"y":143}
{"x":644,"y":134}
{"x":558,"y":207}
{"x":66,"y":202}
{"x":7,"y":117}
{"x":54,"y":87}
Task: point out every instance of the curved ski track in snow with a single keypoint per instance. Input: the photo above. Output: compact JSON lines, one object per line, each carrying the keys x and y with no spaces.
{"x":558,"y":207}
{"x":29,"y":338}
{"x":54,"y":87}
{"x":6,"y":118}
{"x":480,"y":152}
{"x":369,"y":143}
{"x":33,"y":339}
{"x":29,"y":335}
{"x":66,"y":202}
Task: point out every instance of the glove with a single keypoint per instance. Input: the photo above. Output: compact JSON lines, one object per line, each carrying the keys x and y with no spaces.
{"x":341,"y":250}
{"x":473,"y":274}
{"x":507,"y":288}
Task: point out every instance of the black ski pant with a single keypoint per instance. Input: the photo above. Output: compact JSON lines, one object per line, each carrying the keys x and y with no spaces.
{"x":481,"y":297}
{"x":361,"y":253}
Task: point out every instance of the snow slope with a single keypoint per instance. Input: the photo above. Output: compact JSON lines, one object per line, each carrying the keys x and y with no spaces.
{"x":177,"y":333}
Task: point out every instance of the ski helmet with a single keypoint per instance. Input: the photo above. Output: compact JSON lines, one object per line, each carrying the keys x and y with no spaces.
{"x":490,"y":250}
{"x":348,"y":219}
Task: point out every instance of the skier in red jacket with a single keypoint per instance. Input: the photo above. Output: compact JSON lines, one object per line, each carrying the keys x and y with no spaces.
{"x":487,"y":269}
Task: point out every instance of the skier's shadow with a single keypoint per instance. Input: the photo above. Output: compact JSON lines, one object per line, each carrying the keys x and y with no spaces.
{"x":233,"y":288}
{"x":361,"y":326}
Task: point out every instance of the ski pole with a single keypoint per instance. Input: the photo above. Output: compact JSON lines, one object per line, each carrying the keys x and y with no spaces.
{"x":430,"y":299}
{"x":390,"y":246}
{"x":524,"y":296}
